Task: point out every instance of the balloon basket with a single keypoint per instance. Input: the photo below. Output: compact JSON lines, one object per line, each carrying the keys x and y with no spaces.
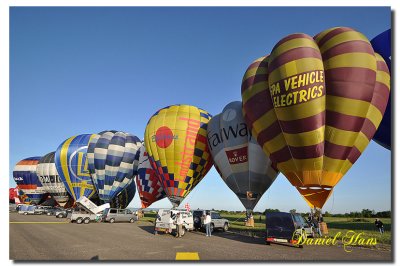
{"x":249,"y":222}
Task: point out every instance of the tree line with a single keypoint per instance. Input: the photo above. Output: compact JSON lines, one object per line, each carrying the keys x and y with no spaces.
{"x":365,"y":213}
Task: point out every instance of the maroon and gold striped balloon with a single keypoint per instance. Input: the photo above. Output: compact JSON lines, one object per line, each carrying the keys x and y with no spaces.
{"x":314,"y":104}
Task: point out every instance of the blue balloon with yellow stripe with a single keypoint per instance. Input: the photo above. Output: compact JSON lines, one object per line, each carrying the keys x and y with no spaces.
{"x":72,"y":166}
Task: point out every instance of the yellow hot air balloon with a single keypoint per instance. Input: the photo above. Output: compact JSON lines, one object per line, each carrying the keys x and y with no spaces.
{"x":175,"y":139}
{"x":314,"y":105}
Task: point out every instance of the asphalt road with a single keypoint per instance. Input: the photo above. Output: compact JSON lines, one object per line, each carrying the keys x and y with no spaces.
{"x":39,"y":237}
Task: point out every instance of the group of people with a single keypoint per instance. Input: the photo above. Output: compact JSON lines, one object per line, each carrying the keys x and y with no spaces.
{"x":179,"y":224}
{"x":314,"y":219}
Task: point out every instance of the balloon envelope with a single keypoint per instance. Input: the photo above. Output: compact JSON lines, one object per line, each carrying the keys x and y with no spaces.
{"x":314,"y":105}
{"x":237,"y":156}
{"x":25,"y":176}
{"x":148,"y":183}
{"x":122,"y":200}
{"x":50,"y":179}
{"x":382,"y":45}
{"x":72,"y":166}
{"x":112,"y":164}
{"x":175,"y":139}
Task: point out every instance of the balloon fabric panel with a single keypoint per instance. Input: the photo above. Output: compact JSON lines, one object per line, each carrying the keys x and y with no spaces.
{"x":148,"y":184}
{"x":48,"y":176}
{"x":112,"y":162}
{"x":25,"y":176}
{"x":72,"y":166}
{"x":322,"y":104}
{"x":175,"y":139}
{"x":239,"y":159}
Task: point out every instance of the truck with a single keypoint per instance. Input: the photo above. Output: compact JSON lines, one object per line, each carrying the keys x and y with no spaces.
{"x":87,"y":211}
{"x":165,"y":221}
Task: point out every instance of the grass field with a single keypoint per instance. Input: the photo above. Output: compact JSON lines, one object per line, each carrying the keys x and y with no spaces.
{"x":335,"y":225}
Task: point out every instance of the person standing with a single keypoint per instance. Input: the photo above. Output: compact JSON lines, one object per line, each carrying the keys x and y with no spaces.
{"x":379,"y":225}
{"x":207,"y":223}
{"x":179,"y":223}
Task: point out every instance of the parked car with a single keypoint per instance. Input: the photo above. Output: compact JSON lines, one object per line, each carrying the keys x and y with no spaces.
{"x":165,"y":221}
{"x":113,"y":215}
{"x":26,"y":209}
{"x":63,"y":213}
{"x":41,"y":209}
{"x":51,"y":211}
{"x":284,"y":227}
{"x":217,"y":222}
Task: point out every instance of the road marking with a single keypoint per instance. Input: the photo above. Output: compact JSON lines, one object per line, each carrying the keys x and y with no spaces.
{"x":39,"y":222}
{"x":187,"y":256}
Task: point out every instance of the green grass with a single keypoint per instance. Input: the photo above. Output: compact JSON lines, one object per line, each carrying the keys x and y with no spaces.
{"x":335,"y":225}
{"x":360,"y":225}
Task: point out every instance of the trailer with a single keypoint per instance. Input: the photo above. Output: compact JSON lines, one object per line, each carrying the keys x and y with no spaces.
{"x":87,"y":211}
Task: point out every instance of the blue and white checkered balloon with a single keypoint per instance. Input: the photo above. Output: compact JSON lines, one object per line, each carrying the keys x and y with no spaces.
{"x":112,"y":162}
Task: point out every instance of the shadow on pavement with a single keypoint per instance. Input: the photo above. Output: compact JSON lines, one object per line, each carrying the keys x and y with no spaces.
{"x":235,"y":237}
{"x":147,"y":228}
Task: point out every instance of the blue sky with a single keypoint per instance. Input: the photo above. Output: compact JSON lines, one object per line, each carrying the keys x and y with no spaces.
{"x":84,"y":70}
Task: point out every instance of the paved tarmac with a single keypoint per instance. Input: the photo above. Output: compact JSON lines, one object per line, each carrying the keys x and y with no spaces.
{"x":40,"y":237}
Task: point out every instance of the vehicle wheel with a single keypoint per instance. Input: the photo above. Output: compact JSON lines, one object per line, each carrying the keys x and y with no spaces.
{"x":79,"y":220}
{"x":112,"y":220}
{"x":59,"y":216}
{"x":132,"y":220}
{"x":86,"y":220}
{"x":212,"y":228}
{"x":268,"y":243}
{"x":226,"y":227}
{"x":300,"y":246}
{"x":25,"y":213}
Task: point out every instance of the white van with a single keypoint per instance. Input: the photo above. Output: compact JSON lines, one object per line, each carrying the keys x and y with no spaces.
{"x":165,"y":221}
{"x":112,"y":215}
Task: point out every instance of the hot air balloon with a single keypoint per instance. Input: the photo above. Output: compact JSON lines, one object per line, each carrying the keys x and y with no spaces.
{"x":122,"y":200}
{"x":382,"y":45}
{"x":175,"y":139}
{"x":72,"y":166}
{"x":13,"y":195}
{"x":237,"y":156}
{"x":148,"y":184}
{"x":314,"y":105}
{"x":28,"y":182}
{"x":112,"y":164}
{"x":50,"y":179}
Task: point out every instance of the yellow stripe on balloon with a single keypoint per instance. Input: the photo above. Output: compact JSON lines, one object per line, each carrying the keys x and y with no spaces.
{"x":302,"y":110}
{"x":307,"y":138}
{"x":362,"y":60}
{"x":253,"y":71}
{"x":294,"y":68}
{"x":292,"y":44}
{"x":265,"y":121}
{"x":354,"y":108}
{"x":301,"y":164}
{"x":342,"y":38}
{"x":324,"y":33}
{"x":253,"y":90}
{"x":276,"y":144}
{"x":345,"y":137}
{"x":64,"y":164}
{"x":336,"y":165}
